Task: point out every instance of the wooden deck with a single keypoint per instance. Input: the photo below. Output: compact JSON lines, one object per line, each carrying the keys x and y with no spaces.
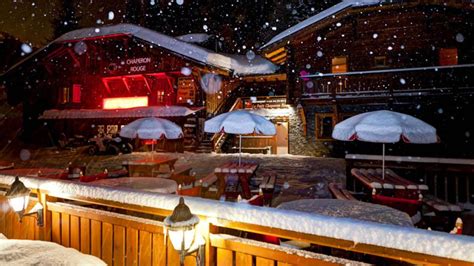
{"x":112,"y":231}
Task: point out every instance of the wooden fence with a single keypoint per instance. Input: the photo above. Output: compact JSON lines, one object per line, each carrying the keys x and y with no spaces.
{"x":113,"y":232}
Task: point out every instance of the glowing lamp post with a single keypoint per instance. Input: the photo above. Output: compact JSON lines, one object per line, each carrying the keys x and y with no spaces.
{"x":18,"y":196}
{"x":180,"y":226}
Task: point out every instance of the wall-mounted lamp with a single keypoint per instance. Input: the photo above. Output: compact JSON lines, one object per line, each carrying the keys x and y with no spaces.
{"x":18,"y":196}
{"x":181,"y":228}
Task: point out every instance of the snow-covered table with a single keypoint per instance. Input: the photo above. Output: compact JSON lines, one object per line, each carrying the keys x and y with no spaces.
{"x":151,"y":184}
{"x":244,"y":171}
{"x":150,"y":166}
{"x":34,"y":252}
{"x":350,"y":209}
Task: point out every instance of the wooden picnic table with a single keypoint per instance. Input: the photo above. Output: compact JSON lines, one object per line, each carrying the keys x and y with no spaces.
{"x":150,"y":184}
{"x":391,"y":185}
{"x":149,"y":166}
{"x":244,"y":171}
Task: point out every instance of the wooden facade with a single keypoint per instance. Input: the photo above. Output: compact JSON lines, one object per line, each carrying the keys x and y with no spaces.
{"x":105,"y":72}
{"x":127,"y":234}
{"x":409,"y":56}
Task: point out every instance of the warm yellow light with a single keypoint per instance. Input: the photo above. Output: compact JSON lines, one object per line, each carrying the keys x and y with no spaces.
{"x":177,"y":237}
{"x":19,"y":203}
{"x":124,"y":102}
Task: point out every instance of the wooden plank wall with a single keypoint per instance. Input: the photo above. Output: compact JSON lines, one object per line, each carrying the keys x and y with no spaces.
{"x":120,"y":239}
{"x":116,"y":240}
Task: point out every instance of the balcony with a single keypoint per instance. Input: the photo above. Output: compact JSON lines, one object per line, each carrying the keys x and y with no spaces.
{"x":389,"y":83}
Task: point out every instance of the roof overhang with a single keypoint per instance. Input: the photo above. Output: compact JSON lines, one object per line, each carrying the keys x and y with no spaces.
{"x":138,"y":112}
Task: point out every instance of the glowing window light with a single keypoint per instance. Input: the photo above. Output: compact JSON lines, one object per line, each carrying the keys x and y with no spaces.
{"x":124,"y":102}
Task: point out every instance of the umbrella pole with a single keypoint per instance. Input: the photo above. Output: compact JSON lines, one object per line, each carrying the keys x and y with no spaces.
{"x":383,"y":161}
{"x":152,"y":148}
{"x":240,"y":149}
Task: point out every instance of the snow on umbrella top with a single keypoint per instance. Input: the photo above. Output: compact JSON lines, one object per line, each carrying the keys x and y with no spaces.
{"x":240,"y":122}
{"x":151,"y":128}
{"x":385,"y":127}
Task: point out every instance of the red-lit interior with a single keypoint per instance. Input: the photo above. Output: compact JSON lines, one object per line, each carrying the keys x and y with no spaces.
{"x":124,"y":102}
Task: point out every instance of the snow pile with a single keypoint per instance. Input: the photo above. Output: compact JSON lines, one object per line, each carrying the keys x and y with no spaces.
{"x":240,"y":122}
{"x":34,"y":252}
{"x":151,"y":184}
{"x":151,"y":128}
{"x":231,"y":63}
{"x":385,"y":127}
{"x":354,"y":209}
{"x":320,"y":16}
{"x":391,"y":236}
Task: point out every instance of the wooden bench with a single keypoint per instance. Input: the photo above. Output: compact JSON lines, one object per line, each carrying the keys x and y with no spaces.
{"x":184,"y":180}
{"x":267,"y":186}
{"x":205,"y":183}
{"x":264,"y":150}
{"x":440,"y":206}
{"x":182,"y":170}
{"x":339,"y":192}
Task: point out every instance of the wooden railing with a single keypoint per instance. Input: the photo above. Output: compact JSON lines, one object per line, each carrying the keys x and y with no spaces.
{"x":122,"y":233}
{"x":389,"y":82}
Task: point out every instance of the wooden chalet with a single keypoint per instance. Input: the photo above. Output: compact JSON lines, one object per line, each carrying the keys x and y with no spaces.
{"x":409,"y":56}
{"x":91,"y":81}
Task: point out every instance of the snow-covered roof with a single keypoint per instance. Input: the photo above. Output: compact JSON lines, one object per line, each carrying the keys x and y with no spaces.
{"x":320,"y":16}
{"x":148,"y":111}
{"x":194,"y":37}
{"x":238,"y":64}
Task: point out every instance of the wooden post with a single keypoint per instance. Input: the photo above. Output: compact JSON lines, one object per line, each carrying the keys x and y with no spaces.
{"x":210,"y":251}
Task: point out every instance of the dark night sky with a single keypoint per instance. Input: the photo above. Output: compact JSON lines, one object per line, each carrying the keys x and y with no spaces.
{"x":31,"y":21}
{"x":245,"y":22}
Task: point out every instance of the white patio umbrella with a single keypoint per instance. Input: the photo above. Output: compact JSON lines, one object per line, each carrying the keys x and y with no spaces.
{"x":385,"y":127}
{"x":240,"y":122}
{"x":151,"y":128}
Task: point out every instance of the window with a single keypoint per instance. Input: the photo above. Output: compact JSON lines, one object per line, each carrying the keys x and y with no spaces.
{"x":339,"y":64}
{"x":160,"y":96}
{"x":380,"y":61}
{"x":64,"y":95}
{"x":76,"y":93}
{"x":324,"y":126}
{"x":448,"y":56}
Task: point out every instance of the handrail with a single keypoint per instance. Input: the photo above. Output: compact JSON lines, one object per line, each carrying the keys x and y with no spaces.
{"x":218,"y":138}
{"x":381,"y":71}
{"x":405,"y":244}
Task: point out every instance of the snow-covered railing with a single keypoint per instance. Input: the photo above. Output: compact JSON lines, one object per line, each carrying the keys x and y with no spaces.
{"x":392,"y":82}
{"x":380,"y":240}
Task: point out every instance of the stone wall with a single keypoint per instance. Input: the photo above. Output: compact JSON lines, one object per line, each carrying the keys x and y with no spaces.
{"x":299,"y":144}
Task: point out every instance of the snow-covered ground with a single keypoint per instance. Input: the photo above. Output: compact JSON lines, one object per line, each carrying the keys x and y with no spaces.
{"x":34,"y":252}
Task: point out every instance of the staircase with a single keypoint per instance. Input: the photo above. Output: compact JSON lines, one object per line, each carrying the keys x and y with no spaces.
{"x":205,"y":146}
{"x":190,"y":128}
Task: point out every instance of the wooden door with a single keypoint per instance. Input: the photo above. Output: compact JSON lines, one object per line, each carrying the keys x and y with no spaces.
{"x":282,"y":137}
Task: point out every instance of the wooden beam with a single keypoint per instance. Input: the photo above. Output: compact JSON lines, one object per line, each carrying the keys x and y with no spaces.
{"x":223,"y":243}
{"x":391,"y":253}
{"x":275,"y":52}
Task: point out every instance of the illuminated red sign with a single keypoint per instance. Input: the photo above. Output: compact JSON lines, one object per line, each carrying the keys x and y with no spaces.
{"x":124,"y":102}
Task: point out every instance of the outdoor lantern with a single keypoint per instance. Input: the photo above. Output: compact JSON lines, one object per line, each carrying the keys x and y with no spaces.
{"x":18,"y":196}
{"x":180,"y":226}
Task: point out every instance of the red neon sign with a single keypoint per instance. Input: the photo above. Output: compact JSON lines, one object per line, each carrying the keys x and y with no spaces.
{"x":124,"y":102}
